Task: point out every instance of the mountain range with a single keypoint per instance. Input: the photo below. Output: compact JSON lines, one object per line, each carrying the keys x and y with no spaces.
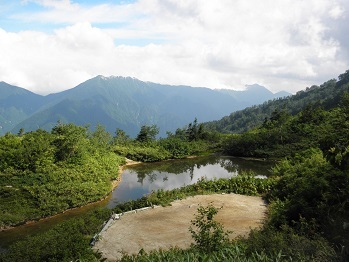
{"x":123,"y":102}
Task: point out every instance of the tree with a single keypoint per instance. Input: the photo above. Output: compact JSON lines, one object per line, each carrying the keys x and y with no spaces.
{"x":343,"y":78}
{"x":147,"y":134}
{"x":100,"y":137}
{"x":279,"y":116}
{"x":21,"y":132}
{"x":335,"y":142}
{"x":36,"y":150}
{"x":121,"y":137}
{"x":70,"y":142}
{"x":210,"y":235}
{"x":193,"y":130}
{"x":181,"y":134}
{"x":9,"y":146}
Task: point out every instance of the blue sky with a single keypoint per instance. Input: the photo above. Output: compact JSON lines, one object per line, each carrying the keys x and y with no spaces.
{"x":51,"y":45}
{"x":19,"y":15}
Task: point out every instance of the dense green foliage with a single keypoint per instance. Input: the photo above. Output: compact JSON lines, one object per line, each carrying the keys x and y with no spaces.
{"x":193,"y":139}
{"x":234,"y":253}
{"x":283,"y":134}
{"x":44,"y":173}
{"x":139,"y":152}
{"x":312,"y":196}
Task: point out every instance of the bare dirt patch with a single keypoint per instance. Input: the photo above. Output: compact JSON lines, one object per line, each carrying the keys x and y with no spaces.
{"x":165,"y":227}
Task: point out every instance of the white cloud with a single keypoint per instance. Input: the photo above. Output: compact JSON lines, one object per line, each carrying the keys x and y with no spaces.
{"x":283,"y":45}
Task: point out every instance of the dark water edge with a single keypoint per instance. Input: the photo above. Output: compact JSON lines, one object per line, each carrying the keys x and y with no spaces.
{"x":9,"y":236}
{"x":141,"y":179}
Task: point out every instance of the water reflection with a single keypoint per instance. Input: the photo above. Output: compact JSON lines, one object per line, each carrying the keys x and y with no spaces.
{"x":140,"y":180}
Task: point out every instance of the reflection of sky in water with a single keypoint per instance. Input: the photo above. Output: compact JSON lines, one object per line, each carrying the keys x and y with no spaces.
{"x":134,"y":186}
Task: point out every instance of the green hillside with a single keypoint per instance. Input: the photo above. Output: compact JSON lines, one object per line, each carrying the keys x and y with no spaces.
{"x":326,"y":96}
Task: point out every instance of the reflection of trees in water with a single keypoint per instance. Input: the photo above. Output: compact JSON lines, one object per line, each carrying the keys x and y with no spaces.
{"x":140,"y":175}
{"x":140,"y":178}
{"x":232,"y":165}
{"x":240,"y":165}
{"x":142,"y":171}
{"x":229,"y":165}
{"x":152,"y":177}
{"x":171,"y":166}
{"x":191,"y":172}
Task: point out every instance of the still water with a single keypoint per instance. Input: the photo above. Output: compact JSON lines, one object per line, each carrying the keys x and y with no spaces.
{"x":141,"y":179}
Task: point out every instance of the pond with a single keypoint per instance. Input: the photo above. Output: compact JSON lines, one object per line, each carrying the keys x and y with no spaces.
{"x":141,"y":179}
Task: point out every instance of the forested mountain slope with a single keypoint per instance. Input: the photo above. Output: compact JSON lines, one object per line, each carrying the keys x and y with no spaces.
{"x":326,"y":95}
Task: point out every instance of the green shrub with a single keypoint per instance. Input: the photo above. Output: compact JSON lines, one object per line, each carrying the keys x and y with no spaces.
{"x":138,"y":152}
{"x":289,"y":243}
{"x":209,"y":235}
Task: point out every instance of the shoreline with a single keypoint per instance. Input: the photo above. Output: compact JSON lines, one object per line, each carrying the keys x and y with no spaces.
{"x":114,"y":184}
{"x":122,"y":168}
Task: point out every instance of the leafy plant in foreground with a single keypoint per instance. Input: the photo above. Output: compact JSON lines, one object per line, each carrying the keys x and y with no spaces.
{"x":210,"y":235}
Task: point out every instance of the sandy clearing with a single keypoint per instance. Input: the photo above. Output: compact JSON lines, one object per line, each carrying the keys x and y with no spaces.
{"x":165,"y":227}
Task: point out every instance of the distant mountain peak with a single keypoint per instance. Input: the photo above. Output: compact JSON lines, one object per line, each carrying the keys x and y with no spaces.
{"x":106,"y":78}
{"x":260,"y":88}
{"x":256,"y":87}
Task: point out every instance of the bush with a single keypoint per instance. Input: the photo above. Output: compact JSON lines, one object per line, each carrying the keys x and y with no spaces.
{"x":144,"y":154}
{"x":176,"y":147}
{"x":292,"y":246}
{"x":210,"y":235}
